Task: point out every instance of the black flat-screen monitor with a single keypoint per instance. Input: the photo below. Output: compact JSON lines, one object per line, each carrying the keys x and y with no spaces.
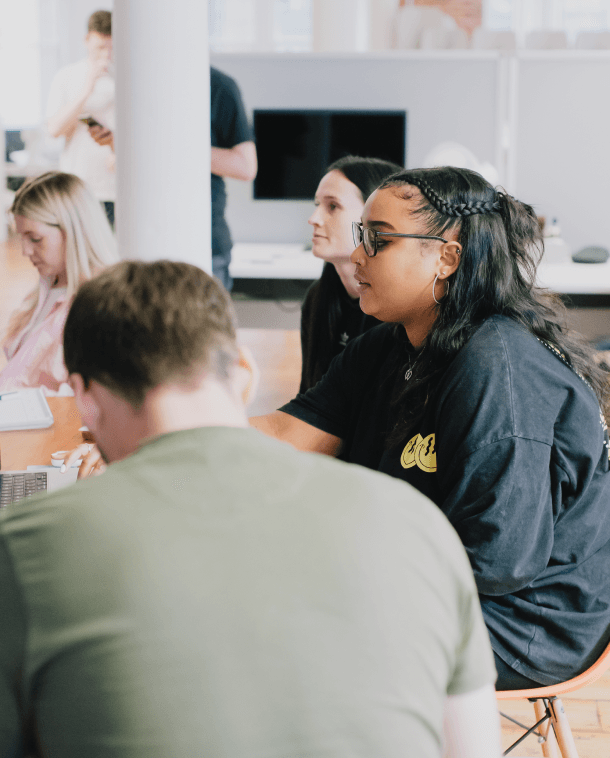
{"x":295,"y":146}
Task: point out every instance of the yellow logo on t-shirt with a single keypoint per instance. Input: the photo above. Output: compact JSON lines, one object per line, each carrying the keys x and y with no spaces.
{"x":407,"y":459}
{"x":421,"y":452}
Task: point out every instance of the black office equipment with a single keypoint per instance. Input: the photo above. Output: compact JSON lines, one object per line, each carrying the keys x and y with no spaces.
{"x":295,"y":146}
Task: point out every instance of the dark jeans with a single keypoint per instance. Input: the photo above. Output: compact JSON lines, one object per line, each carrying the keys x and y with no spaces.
{"x":509,"y":679}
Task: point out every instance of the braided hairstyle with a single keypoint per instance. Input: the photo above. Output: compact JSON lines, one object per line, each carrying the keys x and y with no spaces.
{"x":501,"y":247}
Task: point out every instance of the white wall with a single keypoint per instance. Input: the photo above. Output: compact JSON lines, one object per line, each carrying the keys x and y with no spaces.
{"x":448,"y":96}
{"x":562,"y":149}
{"x":540,"y":117}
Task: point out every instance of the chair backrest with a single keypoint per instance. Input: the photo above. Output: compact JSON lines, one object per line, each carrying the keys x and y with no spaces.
{"x":488,"y":39}
{"x":546,"y":39}
{"x":592,"y":674}
{"x":593,"y":41}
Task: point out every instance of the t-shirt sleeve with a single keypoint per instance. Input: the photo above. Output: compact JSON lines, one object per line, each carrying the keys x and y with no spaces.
{"x":326,"y":405}
{"x":12,"y":631}
{"x":329,"y":405}
{"x":450,"y":586}
{"x":231,"y":125}
{"x":474,"y":662}
{"x":493,"y":470}
{"x":499,"y":501}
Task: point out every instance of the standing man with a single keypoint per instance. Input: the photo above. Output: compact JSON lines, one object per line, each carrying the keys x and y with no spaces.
{"x":86,"y":90}
{"x":216,"y":592}
{"x":233,"y":155}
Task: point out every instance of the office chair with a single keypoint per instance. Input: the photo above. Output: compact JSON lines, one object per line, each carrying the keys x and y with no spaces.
{"x":552,"y":726}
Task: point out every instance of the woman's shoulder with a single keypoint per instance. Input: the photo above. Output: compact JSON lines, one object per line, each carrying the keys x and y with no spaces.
{"x":500,"y":339}
{"x":503,"y":356}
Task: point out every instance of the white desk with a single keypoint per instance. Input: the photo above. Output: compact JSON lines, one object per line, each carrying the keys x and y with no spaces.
{"x":292,"y":261}
{"x":273,"y":261}
{"x":575,"y":278}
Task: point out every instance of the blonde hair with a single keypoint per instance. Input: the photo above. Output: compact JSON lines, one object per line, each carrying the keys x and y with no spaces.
{"x":65,"y":202}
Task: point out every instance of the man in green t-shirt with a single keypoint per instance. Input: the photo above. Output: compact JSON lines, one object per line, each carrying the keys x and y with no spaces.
{"x":216,"y":592}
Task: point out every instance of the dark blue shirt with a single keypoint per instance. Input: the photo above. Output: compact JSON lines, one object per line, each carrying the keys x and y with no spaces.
{"x":229,"y":127}
{"x":513,"y":449}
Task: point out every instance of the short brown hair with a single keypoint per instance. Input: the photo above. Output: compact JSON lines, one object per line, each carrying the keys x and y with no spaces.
{"x":139,"y":325}
{"x":100,"y":22}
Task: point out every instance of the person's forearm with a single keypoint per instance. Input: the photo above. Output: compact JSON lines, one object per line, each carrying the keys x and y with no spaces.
{"x":298,"y":433}
{"x":237,"y":162}
{"x":273,"y":424}
{"x":63,"y":123}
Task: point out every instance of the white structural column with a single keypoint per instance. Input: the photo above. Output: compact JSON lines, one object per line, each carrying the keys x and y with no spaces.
{"x":163,"y":130}
{"x":341,"y":26}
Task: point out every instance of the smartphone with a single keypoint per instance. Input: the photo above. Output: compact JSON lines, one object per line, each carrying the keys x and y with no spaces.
{"x":90,"y":121}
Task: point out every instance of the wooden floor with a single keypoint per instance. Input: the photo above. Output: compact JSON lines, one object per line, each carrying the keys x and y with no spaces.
{"x":277,"y":354}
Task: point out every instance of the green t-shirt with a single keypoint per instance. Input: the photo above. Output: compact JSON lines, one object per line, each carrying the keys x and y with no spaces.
{"x":220,"y":594}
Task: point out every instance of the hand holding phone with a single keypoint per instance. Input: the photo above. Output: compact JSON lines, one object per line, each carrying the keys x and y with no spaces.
{"x":89,"y":121}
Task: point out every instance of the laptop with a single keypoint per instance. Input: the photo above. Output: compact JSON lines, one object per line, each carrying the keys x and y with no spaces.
{"x":17,"y":485}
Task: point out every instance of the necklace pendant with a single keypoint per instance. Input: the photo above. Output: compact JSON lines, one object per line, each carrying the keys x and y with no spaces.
{"x":409,"y":374}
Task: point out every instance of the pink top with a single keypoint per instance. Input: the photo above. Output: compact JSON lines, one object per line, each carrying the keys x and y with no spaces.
{"x":35,"y":355}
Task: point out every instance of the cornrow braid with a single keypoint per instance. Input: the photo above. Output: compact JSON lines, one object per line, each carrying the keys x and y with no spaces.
{"x":459,"y":210}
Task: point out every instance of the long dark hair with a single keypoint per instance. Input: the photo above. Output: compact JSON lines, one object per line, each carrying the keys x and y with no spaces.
{"x":367,"y":174}
{"x":501,"y":248}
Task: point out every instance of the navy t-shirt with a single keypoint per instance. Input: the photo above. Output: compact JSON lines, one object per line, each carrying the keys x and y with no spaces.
{"x":229,"y":127}
{"x":513,"y":449}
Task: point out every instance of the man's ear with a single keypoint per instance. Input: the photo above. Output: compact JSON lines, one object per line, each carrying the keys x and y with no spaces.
{"x":77,"y":384}
{"x":248,"y":375}
{"x":85,"y":400}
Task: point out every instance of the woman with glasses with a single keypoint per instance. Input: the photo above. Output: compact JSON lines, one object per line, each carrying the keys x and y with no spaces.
{"x":476,"y":393}
{"x":331,"y":316}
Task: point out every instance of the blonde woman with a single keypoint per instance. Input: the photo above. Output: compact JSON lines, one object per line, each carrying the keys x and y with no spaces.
{"x":65,"y":234}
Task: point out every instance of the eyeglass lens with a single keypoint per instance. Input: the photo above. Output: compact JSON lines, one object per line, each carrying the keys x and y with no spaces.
{"x":369,"y":241}
{"x":365,"y":236}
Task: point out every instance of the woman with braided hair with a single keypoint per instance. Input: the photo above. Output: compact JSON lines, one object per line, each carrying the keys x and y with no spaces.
{"x":475,"y":392}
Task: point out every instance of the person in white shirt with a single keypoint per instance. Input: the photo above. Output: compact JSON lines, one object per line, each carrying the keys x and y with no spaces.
{"x":85,"y":90}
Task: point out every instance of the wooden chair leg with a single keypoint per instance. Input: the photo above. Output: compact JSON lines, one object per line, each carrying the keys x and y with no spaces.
{"x":549,"y":746}
{"x":563,"y":732}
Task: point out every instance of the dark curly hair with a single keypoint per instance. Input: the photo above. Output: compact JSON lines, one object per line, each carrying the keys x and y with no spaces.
{"x":501,"y":248}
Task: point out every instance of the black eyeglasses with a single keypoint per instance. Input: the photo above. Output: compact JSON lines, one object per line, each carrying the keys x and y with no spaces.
{"x":368,"y":237}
